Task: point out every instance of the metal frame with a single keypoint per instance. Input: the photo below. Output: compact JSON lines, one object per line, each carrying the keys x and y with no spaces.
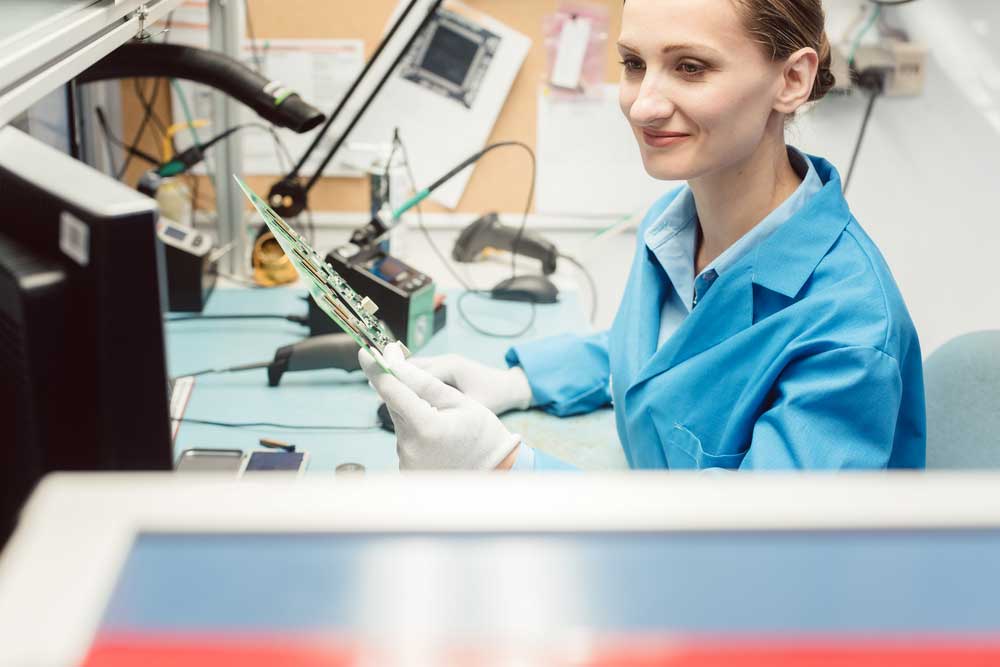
{"x":224,"y":36}
{"x":43,"y":55}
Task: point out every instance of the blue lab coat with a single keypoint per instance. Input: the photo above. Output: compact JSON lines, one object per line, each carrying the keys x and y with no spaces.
{"x":801,"y":355}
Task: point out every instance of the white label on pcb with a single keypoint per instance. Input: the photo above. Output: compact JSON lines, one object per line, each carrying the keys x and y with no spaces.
{"x":74,"y":238}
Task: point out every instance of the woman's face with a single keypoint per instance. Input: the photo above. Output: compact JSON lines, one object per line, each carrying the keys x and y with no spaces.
{"x":696,"y":89}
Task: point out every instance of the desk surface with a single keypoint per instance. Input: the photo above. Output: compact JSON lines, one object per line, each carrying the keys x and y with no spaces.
{"x":342,"y":399}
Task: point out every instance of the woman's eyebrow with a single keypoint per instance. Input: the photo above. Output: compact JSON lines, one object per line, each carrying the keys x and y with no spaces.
{"x":670,"y":48}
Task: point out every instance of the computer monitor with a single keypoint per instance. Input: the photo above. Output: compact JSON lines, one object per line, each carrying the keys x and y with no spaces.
{"x":82,"y":362}
{"x":667,"y":568}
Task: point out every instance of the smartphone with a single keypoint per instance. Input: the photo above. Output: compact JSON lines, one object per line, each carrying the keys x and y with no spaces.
{"x":219,"y":461}
{"x":269,"y":462}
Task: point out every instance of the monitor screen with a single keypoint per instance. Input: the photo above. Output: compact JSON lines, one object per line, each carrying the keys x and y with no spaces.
{"x":356,"y":594}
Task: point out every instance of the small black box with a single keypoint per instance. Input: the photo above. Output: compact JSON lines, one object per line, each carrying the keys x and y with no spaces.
{"x":191,"y":272}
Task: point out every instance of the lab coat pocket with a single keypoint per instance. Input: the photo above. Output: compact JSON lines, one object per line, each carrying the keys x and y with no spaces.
{"x":683,"y":451}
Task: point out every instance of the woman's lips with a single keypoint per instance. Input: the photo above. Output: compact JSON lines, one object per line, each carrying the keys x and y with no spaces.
{"x":662,"y":139}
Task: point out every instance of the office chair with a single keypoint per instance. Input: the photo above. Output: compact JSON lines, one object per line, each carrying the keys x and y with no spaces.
{"x":962,"y":383}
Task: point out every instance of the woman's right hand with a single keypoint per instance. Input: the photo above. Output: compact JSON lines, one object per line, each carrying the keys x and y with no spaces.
{"x":500,"y":390}
{"x":437,"y":426}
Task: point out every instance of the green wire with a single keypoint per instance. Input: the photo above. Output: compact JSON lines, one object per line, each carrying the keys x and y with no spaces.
{"x":410,"y":203}
{"x":864,"y":31}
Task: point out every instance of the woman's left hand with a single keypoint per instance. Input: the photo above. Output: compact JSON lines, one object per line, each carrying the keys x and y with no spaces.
{"x":437,"y":426}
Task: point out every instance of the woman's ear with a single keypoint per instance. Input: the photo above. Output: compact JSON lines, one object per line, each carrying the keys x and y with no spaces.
{"x":798,"y":77}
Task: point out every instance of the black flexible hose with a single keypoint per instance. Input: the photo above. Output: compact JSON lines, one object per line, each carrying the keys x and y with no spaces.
{"x":269,"y":99}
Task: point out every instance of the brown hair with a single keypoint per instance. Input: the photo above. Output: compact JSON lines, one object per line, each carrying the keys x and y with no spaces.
{"x":783,"y":27}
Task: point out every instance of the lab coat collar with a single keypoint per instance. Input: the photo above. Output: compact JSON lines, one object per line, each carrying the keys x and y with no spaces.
{"x":785,"y":260}
{"x":726,"y":310}
{"x":782,"y":263}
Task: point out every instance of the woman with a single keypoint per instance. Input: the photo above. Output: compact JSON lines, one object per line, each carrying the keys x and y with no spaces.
{"x":760,"y":327}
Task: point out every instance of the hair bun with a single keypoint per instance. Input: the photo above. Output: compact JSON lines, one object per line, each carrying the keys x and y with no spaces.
{"x":825,"y":80}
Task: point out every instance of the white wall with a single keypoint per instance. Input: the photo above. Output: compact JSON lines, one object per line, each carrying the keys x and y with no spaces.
{"x":926,"y":183}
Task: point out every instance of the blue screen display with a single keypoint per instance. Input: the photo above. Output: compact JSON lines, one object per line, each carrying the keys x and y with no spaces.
{"x":792,"y":583}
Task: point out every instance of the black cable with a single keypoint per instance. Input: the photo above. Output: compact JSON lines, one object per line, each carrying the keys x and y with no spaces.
{"x":112,"y":139}
{"x":232,"y":369}
{"x":148,"y":113}
{"x":281,"y":152}
{"x":472,"y":159}
{"x":590,"y":279}
{"x":494,"y":334}
{"x":159,"y":127}
{"x":392,"y":154}
{"x":475,"y":157}
{"x":109,"y":146}
{"x":140,"y":131}
{"x":451,"y":268}
{"x":527,"y":206}
{"x":196,"y":153}
{"x":149,"y":158}
{"x":891,"y":3}
{"x":287,"y":427}
{"x":297,"y":319}
{"x":420,"y":220}
{"x":195,"y":190}
{"x":876,"y":92}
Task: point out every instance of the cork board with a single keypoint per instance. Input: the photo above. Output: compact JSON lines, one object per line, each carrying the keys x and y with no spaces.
{"x":498,"y":183}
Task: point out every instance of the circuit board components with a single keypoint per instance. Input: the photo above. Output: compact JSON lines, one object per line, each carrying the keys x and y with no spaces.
{"x":352,"y":312}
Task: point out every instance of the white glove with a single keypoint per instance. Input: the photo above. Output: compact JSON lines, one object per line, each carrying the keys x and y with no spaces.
{"x":500,"y":390}
{"x":437,"y":426}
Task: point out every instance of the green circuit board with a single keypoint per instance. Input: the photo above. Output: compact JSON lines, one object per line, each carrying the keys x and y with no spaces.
{"x":351,"y":311}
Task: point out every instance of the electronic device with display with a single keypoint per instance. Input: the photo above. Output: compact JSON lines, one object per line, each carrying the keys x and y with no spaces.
{"x":275,"y":462}
{"x":212,"y":461}
{"x":191,"y":265}
{"x":662,"y":568}
{"x":406,"y":297}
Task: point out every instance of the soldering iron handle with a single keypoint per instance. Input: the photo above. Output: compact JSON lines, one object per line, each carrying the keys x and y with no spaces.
{"x":329,"y":351}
